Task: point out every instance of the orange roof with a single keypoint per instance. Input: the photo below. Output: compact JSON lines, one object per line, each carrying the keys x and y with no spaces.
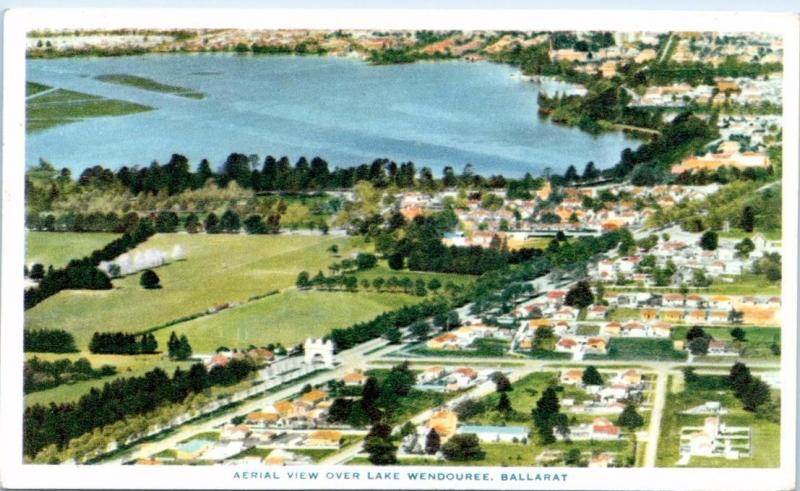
{"x":326,"y":435}
{"x":354,"y":377}
{"x":283,"y":407}
{"x":314,"y":396}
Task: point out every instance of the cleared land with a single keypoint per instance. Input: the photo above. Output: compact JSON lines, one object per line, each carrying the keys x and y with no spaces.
{"x":218,"y":269}
{"x":58,"y":248}
{"x":149,"y":84}
{"x":65,"y":106}
{"x":639,"y":349}
{"x":127,"y":366}
{"x":757,"y":343}
{"x":287,"y":318}
{"x":765,"y":443}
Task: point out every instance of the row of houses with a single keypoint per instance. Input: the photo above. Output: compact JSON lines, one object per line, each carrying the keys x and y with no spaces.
{"x":465,"y":336}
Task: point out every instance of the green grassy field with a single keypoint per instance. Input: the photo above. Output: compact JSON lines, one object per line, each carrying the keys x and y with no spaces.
{"x":58,"y":248}
{"x":218,"y":269}
{"x":148,"y":84}
{"x":527,"y":391}
{"x":757,"y":344}
{"x":480,"y":348}
{"x":127,"y":366}
{"x":65,"y":106}
{"x":287,"y":318}
{"x":746,"y":284}
{"x":623,"y":314}
{"x":639,"y":349}
{"x":765,"y":434}
{"x":33,"y":88}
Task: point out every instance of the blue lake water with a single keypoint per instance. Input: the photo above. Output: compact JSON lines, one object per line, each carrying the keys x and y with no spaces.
{"x":434,"y":114}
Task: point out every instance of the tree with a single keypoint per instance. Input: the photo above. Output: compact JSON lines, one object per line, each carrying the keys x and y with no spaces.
{"x":173,"y":345}
{"x":573,"y":457}
{"x":211,"y":223}
{"x":230,"y":222}
{"x":420,"y":329}
{"x":463,"y":447}
{"x":434,"y":284}
{"x":590,"y":172}
{"x":334,"y":249}
{"x":303,"y":281}
{"x":591,"y":376}
{"x":379,"y":446}
{"x":696,"y":332}
{"x":755,"y":394}
{"x":37,"y":272}
{"x":744,"y":248}
{"x":629,"y":418}
{"x":699,"y":278}
{"x":740,"y":378}
{"x":544,"y":415}
{"x":184,"y":351}
{"x":396,"y":261}
{"x":504,"y":404}
{"x":501,"y":382}
{"x":580,"y":295}
{"x":709,"y":241}
{"x":433,"y":442}
{"x":738,"y":334}
{"x":394,"y":335}
{"x":748,"y":220}
{"x":149,"y":280}
{"x":366,"y":261}
{"x":699,"y":346}
{"x":192,"y":224}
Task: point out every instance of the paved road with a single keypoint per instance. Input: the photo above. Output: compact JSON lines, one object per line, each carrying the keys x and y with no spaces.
{"x":655,"y":418}
{"x":348,"y":359}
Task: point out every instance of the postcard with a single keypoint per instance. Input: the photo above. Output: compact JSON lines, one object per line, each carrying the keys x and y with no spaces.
{"x":399,"y":249}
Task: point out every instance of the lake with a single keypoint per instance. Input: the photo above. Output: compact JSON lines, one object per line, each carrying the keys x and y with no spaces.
{"x":345,"y":111}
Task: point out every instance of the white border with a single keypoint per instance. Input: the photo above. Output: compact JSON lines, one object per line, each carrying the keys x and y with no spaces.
{"x":18,"y":22}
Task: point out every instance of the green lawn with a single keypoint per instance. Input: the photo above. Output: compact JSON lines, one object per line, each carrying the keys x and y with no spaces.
{"x":741,"y":234}
{"x":218,"y":269}
{"x":58,"y":248}
{"x":480,"y":348}
{"x":287,"y":318}
{"x":757,"y":344}
{"x":765,"y":434}
{"x":639,"y":349}
{"x":65,"y":106}
{"x":148,"y":84}
{"x":127,"y":366}
{"x":527,"y":391}
{"x":746,"y":284}
{"x":623,"y":314}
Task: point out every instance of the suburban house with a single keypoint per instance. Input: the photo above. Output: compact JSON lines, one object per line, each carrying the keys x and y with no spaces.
{"x":495,"y":434}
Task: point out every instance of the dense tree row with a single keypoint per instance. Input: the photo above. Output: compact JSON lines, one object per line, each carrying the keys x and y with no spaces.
{"x":49,"y":341}
{"x":378,"y":401}
{"x":121,"y":343}
{"x":57,"y":424}
{"x":647,"y":164}
{"x":80,"y":222}
{"x":41,"y":374}
{"x":82,"y":274}
{"x":364,"y":331}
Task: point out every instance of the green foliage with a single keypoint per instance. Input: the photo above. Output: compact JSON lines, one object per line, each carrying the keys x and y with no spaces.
{"x":149,"y":280}
{"x":42,"y":375}
{"x":629,"y":418}
{"x":463,"y":447}
{"x":48,"y":341}
{"x":580,"y":295}
{"x":591,"y":376}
